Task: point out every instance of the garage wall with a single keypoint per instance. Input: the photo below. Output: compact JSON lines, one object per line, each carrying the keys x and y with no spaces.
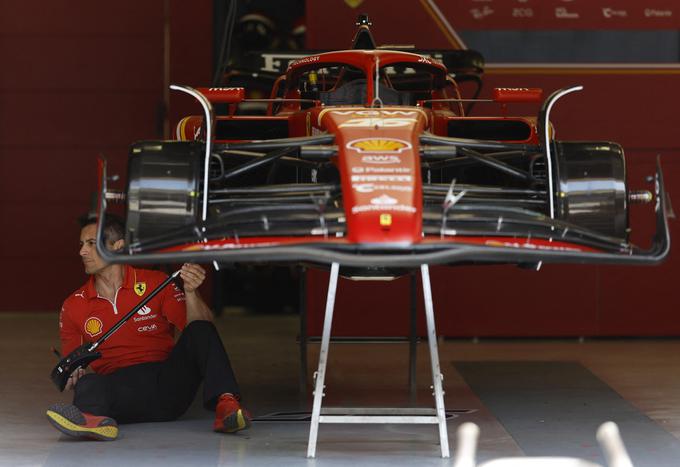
{"x":78,"y":79}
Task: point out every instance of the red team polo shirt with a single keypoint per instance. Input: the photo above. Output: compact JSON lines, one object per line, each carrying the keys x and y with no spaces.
{"x":148,"y":336}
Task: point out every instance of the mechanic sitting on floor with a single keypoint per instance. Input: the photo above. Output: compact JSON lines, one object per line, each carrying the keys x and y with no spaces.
{"x":143,"y":375}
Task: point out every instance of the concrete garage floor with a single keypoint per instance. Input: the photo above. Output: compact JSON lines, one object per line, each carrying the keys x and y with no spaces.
{"x":638,"y":377}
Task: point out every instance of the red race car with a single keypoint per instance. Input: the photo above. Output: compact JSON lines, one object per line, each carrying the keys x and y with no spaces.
{"x":369,"y":158}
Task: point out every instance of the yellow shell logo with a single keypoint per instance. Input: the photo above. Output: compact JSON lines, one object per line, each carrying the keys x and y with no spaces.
{"x":140,"y":288}
{"x":382,"y":145}
{"x":93,"y":326}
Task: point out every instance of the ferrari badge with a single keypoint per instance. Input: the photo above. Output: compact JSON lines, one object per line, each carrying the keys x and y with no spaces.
{"x":140,"y":288}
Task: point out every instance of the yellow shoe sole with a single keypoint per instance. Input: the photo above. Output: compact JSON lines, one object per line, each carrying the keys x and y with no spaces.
{"x":234,"y":422}
{"x":63,"y":424}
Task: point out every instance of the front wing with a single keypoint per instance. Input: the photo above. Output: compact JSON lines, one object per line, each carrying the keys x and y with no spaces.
{"x":432,"y":250}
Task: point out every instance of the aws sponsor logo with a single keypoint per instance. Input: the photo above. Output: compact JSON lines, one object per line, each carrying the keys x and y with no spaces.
{"x":93,"y":326}
{"x":381,"y":159}
{"x":379,"y":145}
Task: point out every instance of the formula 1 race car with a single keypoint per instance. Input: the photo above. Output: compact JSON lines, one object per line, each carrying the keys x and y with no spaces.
{"x":368,"y":158}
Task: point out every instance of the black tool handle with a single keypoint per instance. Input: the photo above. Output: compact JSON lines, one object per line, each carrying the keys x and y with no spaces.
{"x":122,"y":321}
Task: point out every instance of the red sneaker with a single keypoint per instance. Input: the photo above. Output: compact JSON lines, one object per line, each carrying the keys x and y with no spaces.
{"x":70,"y":420}
{"x":229,"y":416}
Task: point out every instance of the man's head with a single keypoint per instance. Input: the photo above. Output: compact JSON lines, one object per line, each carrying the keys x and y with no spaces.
{"x":114,"y":234}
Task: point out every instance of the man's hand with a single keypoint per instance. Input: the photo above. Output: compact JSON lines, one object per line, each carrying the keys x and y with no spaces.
{"x":73,"y":379}
{"x":193,"y":276}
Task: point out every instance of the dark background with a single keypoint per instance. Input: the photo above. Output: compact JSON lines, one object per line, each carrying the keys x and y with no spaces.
{"x":79,"y":79}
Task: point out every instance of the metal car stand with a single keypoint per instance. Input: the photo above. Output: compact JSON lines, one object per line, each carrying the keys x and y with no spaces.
{"x":435,"y":415}
{"x":412,"y":339}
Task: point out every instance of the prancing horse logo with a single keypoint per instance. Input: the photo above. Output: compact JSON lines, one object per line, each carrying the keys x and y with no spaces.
{"x":140,"y":288}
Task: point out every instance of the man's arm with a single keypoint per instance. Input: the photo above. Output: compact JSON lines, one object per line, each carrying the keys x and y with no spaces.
{"x":193,"y":276}
{"x":69,"y":334}
{"x":71,"y":338}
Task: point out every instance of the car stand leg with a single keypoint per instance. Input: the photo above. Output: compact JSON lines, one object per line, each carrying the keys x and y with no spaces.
{"x":378,"y":415}
{"x":437,"y":376}
{"x":320,"y":374}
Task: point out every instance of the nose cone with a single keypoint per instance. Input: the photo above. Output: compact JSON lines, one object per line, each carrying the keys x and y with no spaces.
{"x":379,"y":166}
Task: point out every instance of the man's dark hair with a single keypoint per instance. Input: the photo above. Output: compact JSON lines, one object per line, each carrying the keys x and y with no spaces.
{"x":114,"y":227}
